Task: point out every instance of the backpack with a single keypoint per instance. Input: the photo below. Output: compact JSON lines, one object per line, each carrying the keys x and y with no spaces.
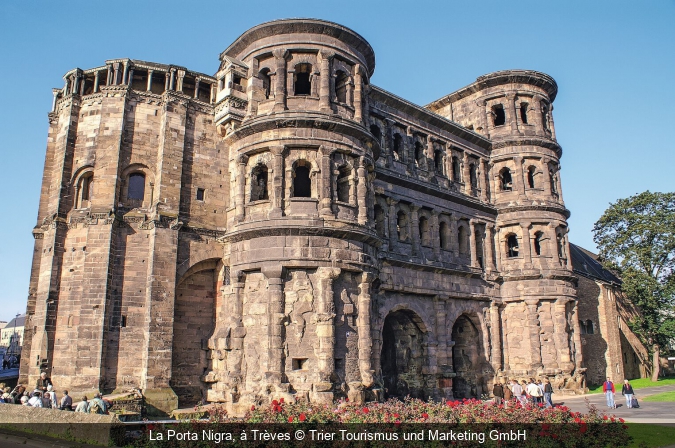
{"x":95,"y":408}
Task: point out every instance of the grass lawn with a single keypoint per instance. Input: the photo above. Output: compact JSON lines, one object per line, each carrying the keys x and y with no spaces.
{"x":650,"y":435}
{"x":665,"y":396}
{"x":640,"y":383}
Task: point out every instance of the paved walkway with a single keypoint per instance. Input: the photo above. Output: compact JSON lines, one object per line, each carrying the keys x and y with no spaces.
{"x":659,"y":413}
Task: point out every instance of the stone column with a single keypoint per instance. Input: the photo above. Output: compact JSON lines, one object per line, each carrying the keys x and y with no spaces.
{"x":553,"y":244}
{"x":325,"y":331}
{"x":484,"y":180}
{"x":560,"y":334}
{"x":96,"y":81}
{"x":196,"y":95}
{"x":537,"y":114}
{"x":181,"y":77}
{"x":578,"y":357}
{"x":483,"y":117}
{"x":358,"y":93}
{"x":130,"y":79}
{"x":466,"y":173}
{"x":518,"y":178}
{"x":498,"y":249}
{"x":455,"y":238}
{"x":125,"y":79}
{"x":237,"y":329}
{"x":442,"y":334}
{"x":362,"y":191}
{"x":172,"y":79}
{"x":364,"y":330}
{"x":277,"y":181}
{"x":388,"y":147}
{"x":489,"y":256}
{"x":558,"y":183}
{"x":472,"y":243}
{"x":533,"y":327}
{"x":567,"y":248}
{"x":435,"y":235}
{"x":324,"y":88}
{"x":492,"y":178}
{"x":512,"y":116}
{"x":393,"y":232}
{"x":280,"y":80}
{"x":108,"y":79}
{"x":505,"y":338}
{"x":551,"y":125}
{"x":326,"y":164}
{"x":167,"y":80}
{"x":275,"y":323}
{"x":415,"y":229}
{"x":212,"y":96}
{"x":149,"y":86}
{"x":496,"y":336}
{"x":240,"y":184}
{"x":526,"y":243}
{"x":253,"y":86}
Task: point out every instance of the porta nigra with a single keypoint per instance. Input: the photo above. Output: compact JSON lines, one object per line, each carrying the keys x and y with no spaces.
{"x":285,"y":228}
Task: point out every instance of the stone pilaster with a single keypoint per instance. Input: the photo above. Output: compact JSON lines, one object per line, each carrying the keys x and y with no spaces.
{"x":496,"y":337}
{"x":240,"y":185}
{"x":364,"y":330}
{"x":362,"y":192}
{"x":325,"y":331}
{"x":324,"y":88}
{"x":277,"y":181}
{"x":415,"y":229}
{"x":275,"y":324}
{"x":533,"y":329}
{"x":280,"y":80}
{"x":393,"y":228}
{"x":358,"y":93}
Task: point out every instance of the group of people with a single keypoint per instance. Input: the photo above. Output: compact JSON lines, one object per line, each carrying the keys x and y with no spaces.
{"x":627,"y":391}
{"x":10,"y":362}
{"x":44,"y":396}
{"x":513,"y":392}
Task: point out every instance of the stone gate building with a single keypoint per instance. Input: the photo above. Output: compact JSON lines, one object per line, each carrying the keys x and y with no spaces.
{"x":285,"y":228}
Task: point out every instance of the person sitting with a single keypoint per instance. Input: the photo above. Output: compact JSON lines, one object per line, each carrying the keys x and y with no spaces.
{"x":36,"y":400}
{"x":46,"y":400}
{"x":97,"y":405}
{"x":24,"y":400}
{"x":82,"y":406}
{"x":66,"y":402}
{"x":43,"y":382}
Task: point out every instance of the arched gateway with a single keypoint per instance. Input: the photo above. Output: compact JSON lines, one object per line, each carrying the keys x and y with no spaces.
{"x":469,"y":360}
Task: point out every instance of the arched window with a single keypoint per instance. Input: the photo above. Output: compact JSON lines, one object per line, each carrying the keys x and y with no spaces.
{"x":505,"y":180}
{"x":425,"y":234}
{"x":499,"y":115}
{"x":444,"y":233}
{"x":136,"y":188}
{"x":375,"y":130}
{"x":302,"y":184}
{"x":341,"y":81}
{"x":398,"y":146}
{"x":456,"y":169}
{"x":530,"y":176}
{"x":438,"y":161}
{"x":419,"y":154}
{"x":259,"y":183}
{"x":473,"y":176}
{"x":463,"y":238}
{"x":84,"y":191}
{"x":511,"y":245}
{"x":302,"y":79}
{"x":402,"y":225}
{"x":537,"y":242}
{"x":264,"y":75}
{"x":380,"y":221}
{"x":479,"y":235}
{"x":344,"y":183}
{"x":523,"y":112}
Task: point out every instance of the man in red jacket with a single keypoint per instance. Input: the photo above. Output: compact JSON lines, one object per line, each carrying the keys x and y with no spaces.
{"x":609,"y":391}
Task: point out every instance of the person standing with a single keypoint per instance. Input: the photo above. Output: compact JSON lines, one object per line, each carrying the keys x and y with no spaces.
{"x":517,"y":390}
{"x":508,"y":395}
{"x":548,"y":391}
{"x":609,"y":391}
{"x":534,"y":392}
{"x":498,"y":392}
{"x":627,"y":391}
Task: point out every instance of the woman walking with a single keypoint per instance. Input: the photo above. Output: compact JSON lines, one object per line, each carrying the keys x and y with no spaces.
{"x":627,"y":391}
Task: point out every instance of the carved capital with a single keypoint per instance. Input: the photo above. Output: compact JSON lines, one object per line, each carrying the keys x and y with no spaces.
{"x":242,"y":159}
{"x":280,"y":53}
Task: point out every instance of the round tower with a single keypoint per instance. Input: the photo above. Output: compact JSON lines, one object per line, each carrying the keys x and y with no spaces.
{"x":290,"y":106}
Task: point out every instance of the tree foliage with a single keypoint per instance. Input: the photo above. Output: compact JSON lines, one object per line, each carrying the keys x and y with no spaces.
{"x":636,"y":238}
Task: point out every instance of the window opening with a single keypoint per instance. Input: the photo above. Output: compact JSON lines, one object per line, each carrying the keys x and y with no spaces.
{"x":397,"y":146}
{"x":511,"y":246}
{"x":303,"y":84}
{"x":341,"y":81}
{"x":302,"y":185}
{"x":456,"y":170}
{"x":478,"y":235}
{"x":343,"y":184}
{"x":419,"y":154}
{"x":499,"y":115}
{"x":299,"y":363}
{"x":375,"y":130}
{"x":266,"y":82}
{"x":506,"y":180}
{"x":589,"y":327}
{"x":473,"y":176}
{"x":444,"y":231}
{"x":136,"y":186}
{"x":537,"y":242}
{"x":438,"y":161}
{"x":85,"y":195}
{"x":259,"y":190}
{"x":530,"y":176}
{"x":523,"y":112}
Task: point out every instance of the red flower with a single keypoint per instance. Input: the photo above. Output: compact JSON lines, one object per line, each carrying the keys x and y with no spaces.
{"x":577,"y":420}
{"x":253,"y":408}
{"x":622,"y":420}
{"x":365,"y":410}
{"x":281,"y":400}
{"x":583,"y":428}
{"x":396,"y":415}
{"x":290,"y":419}
{"x":624,"y":426}
{"x":604,"y":417}
{"x":275,"y":403}
{"x":449,"y":402}
{"x":425,"y":416}
{"x":302,"y":417}
{"x":397,"y":423}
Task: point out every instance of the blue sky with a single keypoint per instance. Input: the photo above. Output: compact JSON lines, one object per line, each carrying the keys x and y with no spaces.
{"x":614,"y":62}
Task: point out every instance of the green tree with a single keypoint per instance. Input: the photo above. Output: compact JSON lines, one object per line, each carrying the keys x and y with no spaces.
{"x":636,"y":239}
